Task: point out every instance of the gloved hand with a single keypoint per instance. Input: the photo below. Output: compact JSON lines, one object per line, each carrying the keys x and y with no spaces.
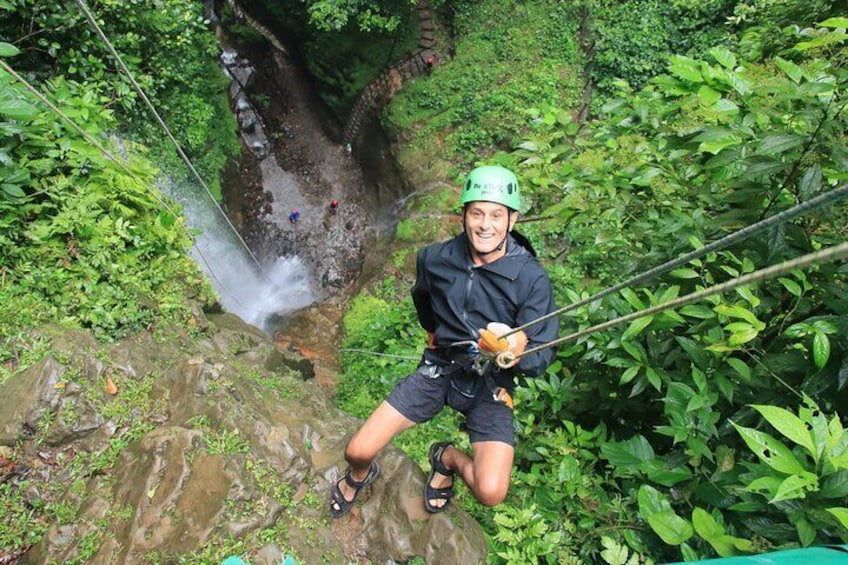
{"x":490,"y":339}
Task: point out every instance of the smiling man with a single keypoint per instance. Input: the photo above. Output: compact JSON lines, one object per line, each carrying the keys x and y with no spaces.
{"x":486,"y":277}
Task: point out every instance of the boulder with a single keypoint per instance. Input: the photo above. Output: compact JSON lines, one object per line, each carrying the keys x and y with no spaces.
{"x":204,"y":444}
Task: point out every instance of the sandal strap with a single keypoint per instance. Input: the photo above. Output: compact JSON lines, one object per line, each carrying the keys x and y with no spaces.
{"x":436,"y":452}
{"x":369,"y":478}
{"x":440,"y":493}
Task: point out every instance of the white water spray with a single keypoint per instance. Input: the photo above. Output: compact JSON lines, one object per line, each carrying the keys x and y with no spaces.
{"x":256,"y":296}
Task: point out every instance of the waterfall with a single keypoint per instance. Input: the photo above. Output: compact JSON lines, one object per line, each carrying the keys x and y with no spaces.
{"x":258,"y":296}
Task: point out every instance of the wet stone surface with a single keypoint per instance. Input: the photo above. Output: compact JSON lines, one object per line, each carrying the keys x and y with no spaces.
{"x":304,"y":168}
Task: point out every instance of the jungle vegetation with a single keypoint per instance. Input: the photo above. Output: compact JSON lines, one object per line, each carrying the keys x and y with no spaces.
{"x":714,"y":429}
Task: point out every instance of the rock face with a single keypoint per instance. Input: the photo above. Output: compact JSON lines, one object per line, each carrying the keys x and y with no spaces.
{"x":213,"y":444}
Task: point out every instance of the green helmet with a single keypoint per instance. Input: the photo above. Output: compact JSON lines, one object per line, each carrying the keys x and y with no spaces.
{"x":492,"y":183}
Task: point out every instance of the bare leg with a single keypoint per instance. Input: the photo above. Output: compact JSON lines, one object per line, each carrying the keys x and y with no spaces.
{"x":487,"y":474}
{"x":378,"y":430}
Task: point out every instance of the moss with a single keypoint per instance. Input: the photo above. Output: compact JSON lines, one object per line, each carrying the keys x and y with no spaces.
{"x":475,"y":103}
{"x":416,"y":229}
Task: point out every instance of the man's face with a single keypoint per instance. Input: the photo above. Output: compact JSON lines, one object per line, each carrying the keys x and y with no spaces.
{"x":486,"y":225}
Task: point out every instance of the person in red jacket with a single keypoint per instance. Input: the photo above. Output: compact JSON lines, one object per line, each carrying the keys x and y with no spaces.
{"x":485,"y":279}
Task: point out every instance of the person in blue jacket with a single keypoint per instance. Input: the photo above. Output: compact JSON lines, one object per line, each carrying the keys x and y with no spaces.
{"x":488,"y":278}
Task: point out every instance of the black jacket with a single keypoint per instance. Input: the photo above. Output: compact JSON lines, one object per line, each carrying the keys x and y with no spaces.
{"x":455,"y":299}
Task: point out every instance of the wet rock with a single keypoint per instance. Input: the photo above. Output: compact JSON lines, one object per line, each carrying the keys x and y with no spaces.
{"x":224,"y":438}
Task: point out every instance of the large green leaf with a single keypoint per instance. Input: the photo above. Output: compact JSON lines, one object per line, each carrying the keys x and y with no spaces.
{"x":737,"y":311}
{"x":740,"y":367}
{"x":697,"y":311}
{"x":637,"y":326}
{"x":821,"y":349}
{"x":724,"y":57}
{"x":685,"y":68}
{"x":789,"y":425}
{"x":792,"y":70}
{"x":769,"y":450}
{"x":656,"y":510}
{"x":741,"y":332}
{"x":626,"y":453}
{"x":779,"y":143}
{"x":714,"y":139}
{"x":796,"y":486}
{"x":13,"y":190}
{"x":714,"y":533}
{"x":841,"y":514}
{"x":835,"y":22}
{"x":8,"y":50}
{"x":17,"y":109}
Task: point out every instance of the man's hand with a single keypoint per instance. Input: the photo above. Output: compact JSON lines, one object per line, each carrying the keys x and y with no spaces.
{"x":491,"y":340}
{"x":431,"y":340}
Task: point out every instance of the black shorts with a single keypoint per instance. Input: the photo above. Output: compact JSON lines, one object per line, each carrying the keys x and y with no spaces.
{"x":422,"y":394}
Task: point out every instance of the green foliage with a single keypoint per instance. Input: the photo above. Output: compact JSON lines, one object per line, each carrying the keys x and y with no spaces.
{"x":18,"y":524}
{"x":712,"y":147}
{"x":526,"y":49}
{"x":382,"y":341}
{"x":84,"y":239}
{"x":526,"y":537}
{"x":344,"y":45}
{"x":225,"y":442}
{"x":171,"y":55}
{"x":630,"y":432}
{"x":332,"y":15}
{"x":634,"y":38}
{"x":769,"y":28}
{"x":416,"y":229}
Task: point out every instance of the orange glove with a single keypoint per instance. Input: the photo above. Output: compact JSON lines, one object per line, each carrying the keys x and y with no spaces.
{"x":490,"y":340}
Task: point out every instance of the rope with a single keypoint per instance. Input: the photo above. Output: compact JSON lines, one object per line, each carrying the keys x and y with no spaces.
{"x":507,"y":358}
{"x":825,"y":255}
{"x":726,"y":241}
{"x":378,"y":354}
{"x":161,"y":122}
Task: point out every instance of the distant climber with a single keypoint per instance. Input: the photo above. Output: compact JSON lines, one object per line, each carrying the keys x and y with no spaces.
{"x":428,"y":64}
{"x":334,"y":206}
{"x":348,"y":147}
{"x":294,"y":216}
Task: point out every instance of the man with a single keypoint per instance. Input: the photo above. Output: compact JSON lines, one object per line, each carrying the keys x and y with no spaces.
{"x":486,"y":277}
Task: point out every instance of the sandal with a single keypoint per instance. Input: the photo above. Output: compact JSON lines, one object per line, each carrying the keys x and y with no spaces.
{"x":436,"y":466}
{"x":339,"y":505}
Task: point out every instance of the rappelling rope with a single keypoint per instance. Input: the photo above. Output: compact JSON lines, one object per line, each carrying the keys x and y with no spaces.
{"x":164,"y":126}
{"x":725,"y":241}
{"x":378,"y":354}
{"x":829,"y":254}
{"x":825,"y":255}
